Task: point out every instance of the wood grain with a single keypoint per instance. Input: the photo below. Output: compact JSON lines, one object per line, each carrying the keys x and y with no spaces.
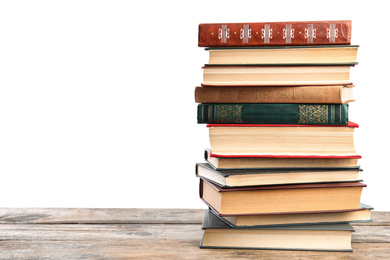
{"x":149,"y":234}
{"x":125,"y":216}
{"x":99,"y":215}
{"x":169,"y":250}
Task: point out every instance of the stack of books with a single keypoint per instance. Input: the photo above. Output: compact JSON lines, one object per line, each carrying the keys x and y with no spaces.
{"x":282,"y":171}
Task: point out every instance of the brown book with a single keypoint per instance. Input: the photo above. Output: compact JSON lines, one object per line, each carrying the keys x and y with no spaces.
{"x":281,"y":199}
{"x":278,"y":94}
{"x":275,"y":33}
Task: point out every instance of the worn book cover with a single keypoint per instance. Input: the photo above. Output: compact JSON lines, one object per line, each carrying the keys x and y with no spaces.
{"x":275,"y":33}
{"x":281,"y":94}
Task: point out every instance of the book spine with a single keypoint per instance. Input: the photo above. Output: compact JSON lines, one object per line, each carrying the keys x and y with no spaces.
{"x":306,"y":114}
{"x":312,"y":95}
{"x":274,"y":33}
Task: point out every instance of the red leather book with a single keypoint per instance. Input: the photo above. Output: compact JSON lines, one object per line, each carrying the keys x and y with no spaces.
{"x":275,"y":33}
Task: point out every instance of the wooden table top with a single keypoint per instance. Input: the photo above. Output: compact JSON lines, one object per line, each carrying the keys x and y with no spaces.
{"x":78,"y":233}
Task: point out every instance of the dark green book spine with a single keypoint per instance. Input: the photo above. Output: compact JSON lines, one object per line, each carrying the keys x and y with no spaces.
{"x":310,"y":114}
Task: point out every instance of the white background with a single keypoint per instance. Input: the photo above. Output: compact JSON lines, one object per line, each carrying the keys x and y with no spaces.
{"x":97,"y":97}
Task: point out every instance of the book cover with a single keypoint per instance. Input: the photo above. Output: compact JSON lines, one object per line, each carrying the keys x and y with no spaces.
{"x":274,"y":176}
{"x":321,"y":114}
{"x":275,"y":33}
{"x":281,"y":94}
{"x":211,"y":221}
{"x":231,"y":172}
{"x":331,"y":237}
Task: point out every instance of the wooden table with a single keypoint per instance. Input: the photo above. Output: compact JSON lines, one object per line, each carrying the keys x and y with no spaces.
{"x":47,"y":233}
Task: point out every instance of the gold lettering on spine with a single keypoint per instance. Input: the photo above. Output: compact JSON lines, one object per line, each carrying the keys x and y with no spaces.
{"x":265,"y":93}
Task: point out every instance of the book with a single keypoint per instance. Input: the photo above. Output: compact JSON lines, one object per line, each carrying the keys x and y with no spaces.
{"x":279,"y":94}
{"x":278,"y":162}
{"x":318,"y":54}
{"x":284,"y":140}
{"x":217,"y":234}
{"x":276,"y":75}
{"x":359,"y":215}
{"x":277,"y":113}
{"x":275,"y":33}
{"x":281,"y":199}
{"x":257,"y":177}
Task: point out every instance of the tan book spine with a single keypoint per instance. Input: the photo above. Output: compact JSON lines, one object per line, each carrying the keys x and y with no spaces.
{"x":301,"y":94}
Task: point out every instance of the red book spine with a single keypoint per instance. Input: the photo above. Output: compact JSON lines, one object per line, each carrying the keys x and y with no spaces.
{"x":350,"y":124}
{"x":288,"y":156}
{"x":275,"y":33}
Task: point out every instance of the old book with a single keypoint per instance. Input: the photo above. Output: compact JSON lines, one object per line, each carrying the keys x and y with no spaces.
{"x":279,"y":94}
{"x":281,"y":199}
{"x":362,"y":214}
{"x":279,"y":113}
{"x":275,"y":33}
{"x":276,"y":75}
{"x":284,"y":140}
{"x":318,"y":54}
{"x":257,"y":177}
{"x":278,"y":162}
{"x":332,"y":237}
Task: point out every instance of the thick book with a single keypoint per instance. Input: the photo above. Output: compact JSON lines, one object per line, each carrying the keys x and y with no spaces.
{"x":257,"y":177}
{"x":277,"y":75}
{"x":275,"y":33}
{"x":331,"y":237}
{"x":319,"y":54}
{"x":280,"y":94}
{"x":278,"y":162}
{"x":359,"y":215}
{"x":281,"y":199}
{"x":277,"y":113}
{"x":282,"y":140}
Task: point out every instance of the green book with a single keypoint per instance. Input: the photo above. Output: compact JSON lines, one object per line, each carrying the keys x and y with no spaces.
{"x":329,"y":237}
{"x":311,"y":114}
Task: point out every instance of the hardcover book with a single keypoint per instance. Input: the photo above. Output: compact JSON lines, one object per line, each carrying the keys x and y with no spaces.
{"x":359,"y":215}
{"x":281,"y":199}
{"x":257,"y":177}
{"x":319,"y":54}
{"x":276,"y":75}
{"x":278,"y":162}
{"x":275,"y":33}
{"x":280,"y":94}
{"x":277,"y":113}
{"x":217,"y":234}
{"x":282,"y":140}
